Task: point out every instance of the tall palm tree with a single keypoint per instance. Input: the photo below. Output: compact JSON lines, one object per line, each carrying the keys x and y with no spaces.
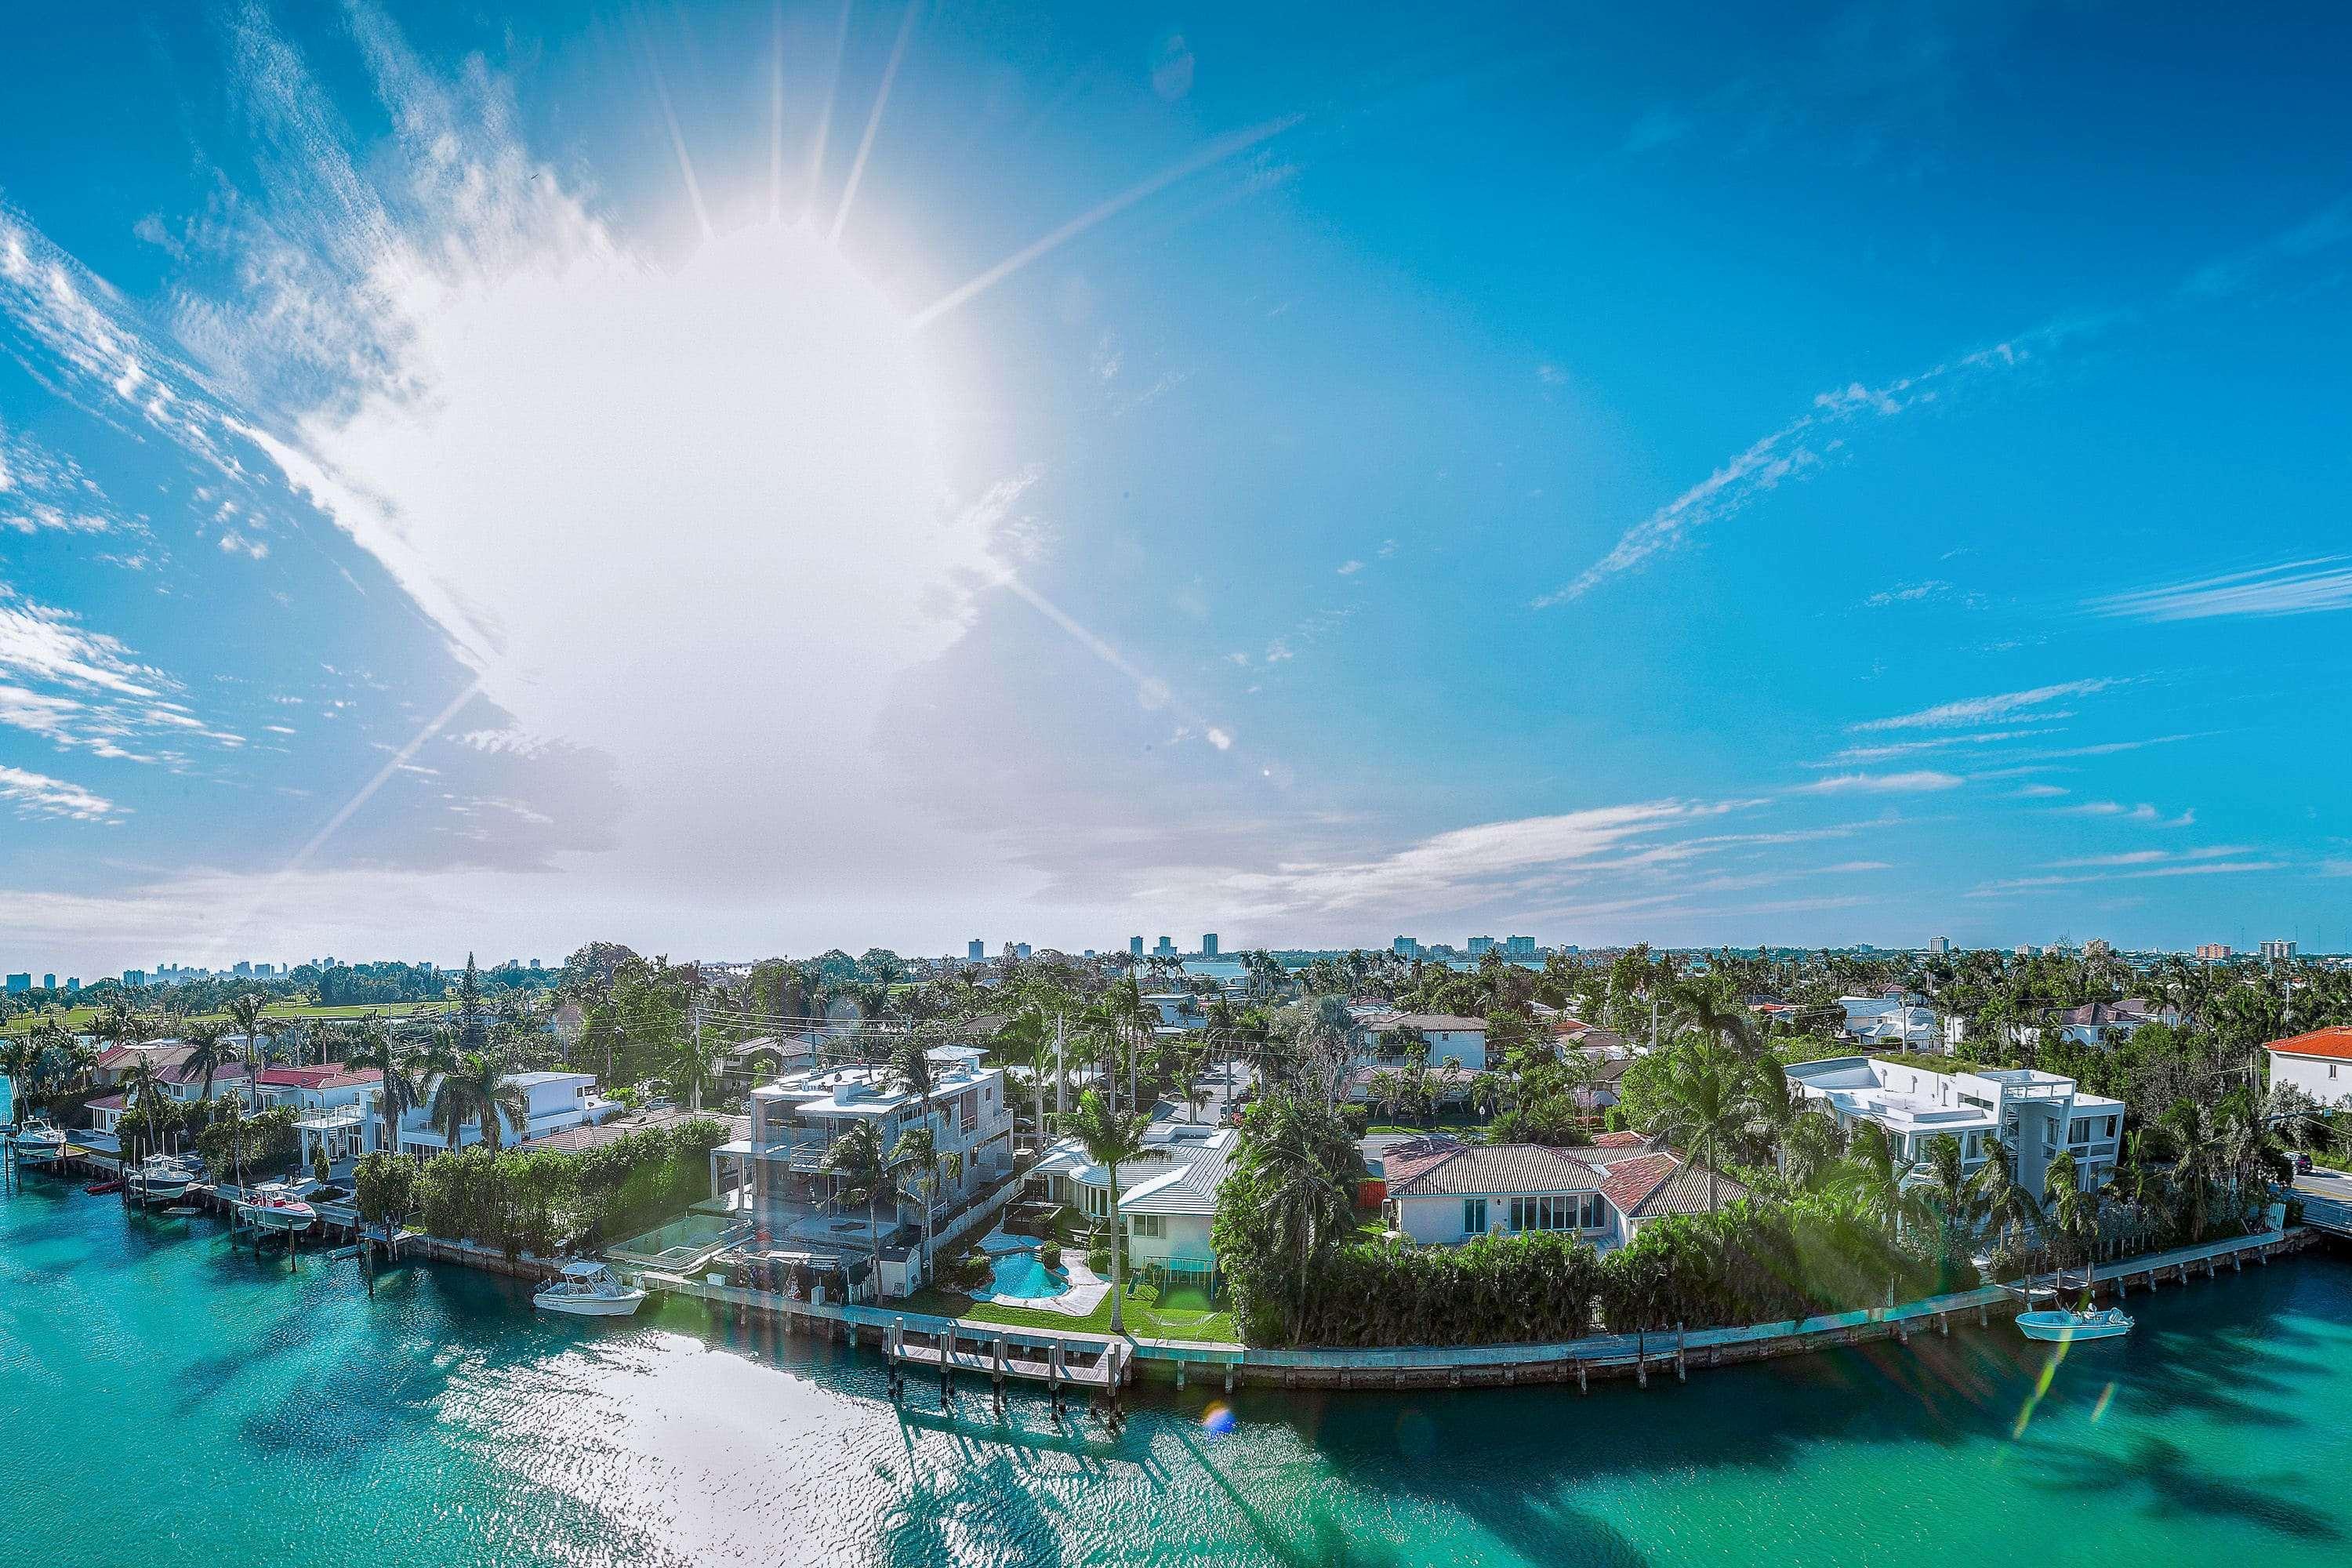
{"x":1944,"y":1192}
{"x":2073,"y":1212}
{"x":1110,"y":1139}
{"x":209,"y":1050}
{"x":1706,"y":1103}
{"x":475,"y":1088}
{"x":143,"y":1091}
{"x":245,"y":1011}
{"x":1873,"y":1175}
{"x":860,"y":1169}
{"x":380,"y":1050}
{"x":1810,"y":1146}
{"x":1697,"y":1008}
{"x":930,"y":1167}
{"x":2006,"y":1204}
{"x":694,"y":1064}
{"x":1305,"y":1158}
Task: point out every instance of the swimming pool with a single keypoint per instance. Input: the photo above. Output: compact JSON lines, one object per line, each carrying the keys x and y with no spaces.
{"x":1023,"y":1278}
{"x":674,"y":1245}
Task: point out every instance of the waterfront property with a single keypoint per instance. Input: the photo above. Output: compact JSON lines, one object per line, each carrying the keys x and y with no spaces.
{"x":808,"y":1213}
{"x":2037,"y":1114}
{"x":2318,"y":1063}
{"x":1442,"y":1193}
{"x":1167,"y":1201}
{"x":553,"y":1102}
{"x":335,"y":1109}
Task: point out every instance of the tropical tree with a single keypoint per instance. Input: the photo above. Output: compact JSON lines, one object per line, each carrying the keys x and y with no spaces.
{"x":1110,"y":1139}
{"x":1707,"y":1103}
{"x":2007,"y":1205}
{"x":694,"y":1063}
{"x":860,"y":1169}
{"x":385,"y":1189}
{"x":930,"y":1168}
{"x":1284,"y":1209}
{"x":209,"y":1050}
{"x":398,"y":1095}
{"x":245,"y":1010}
{"x":475,"y":1088}
{"x":143,"y":1091}
{"x":2073,"y":1212}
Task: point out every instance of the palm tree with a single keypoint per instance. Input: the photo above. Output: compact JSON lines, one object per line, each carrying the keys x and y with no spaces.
{"x":1303,"y":1156}
{"x":143,"y":1091}
{"x":245,"y":1011}
{"x":1696,"y":1007}
{"x":860,"y":1169}
{"x":1874,"y":1176}
{"x":1810,"y":1146}
{"x":381,"y":1051}
{"x":694,"y":1064}
{"x":2073,"y":1212}
{"x":209,"y":1050}
{"x":475,"y":1088}
{"x":1707,"y":1103}
{"x":1110,"y":1139}
{"x":917,"y":1151}
{"x":1944,"y":1192}
{"x":2006,"y":1204}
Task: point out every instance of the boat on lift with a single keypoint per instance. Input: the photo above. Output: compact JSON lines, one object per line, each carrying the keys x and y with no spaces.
{"x":587,"y":1288}
{"x":39,"y":1143}
{"x":274,"y":1206}
{"x":2063,"y":1327}
{"x":161,"y":1178}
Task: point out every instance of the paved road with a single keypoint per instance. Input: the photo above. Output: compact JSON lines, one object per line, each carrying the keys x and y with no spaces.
{"x":2326,"y":1197}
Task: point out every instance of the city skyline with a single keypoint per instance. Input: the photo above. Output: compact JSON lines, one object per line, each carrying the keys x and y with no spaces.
{"x":774,"y":481}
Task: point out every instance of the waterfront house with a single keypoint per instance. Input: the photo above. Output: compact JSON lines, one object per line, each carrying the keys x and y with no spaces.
{"x":1167,"y":1199}
{"x":553,"y":1102}
{"x":1178,"y":1009}
{"x":796,"y":1120}
{"x":1442,"y":1193}
{"x":1893,"y":1023}
{"x":334,"y":1108}
{"x":2037,"y":1114}
{"x":2318,"y":1063}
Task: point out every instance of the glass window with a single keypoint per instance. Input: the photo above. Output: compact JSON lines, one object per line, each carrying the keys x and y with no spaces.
{"x":1473,"y":1215}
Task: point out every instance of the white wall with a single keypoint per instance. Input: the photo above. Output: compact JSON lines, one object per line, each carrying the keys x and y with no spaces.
{"x":2325,"y":1079}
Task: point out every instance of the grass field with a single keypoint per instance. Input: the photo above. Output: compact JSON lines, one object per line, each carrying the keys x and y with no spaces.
{"x":78,"y":1018}
{"x":1180,"y":1312}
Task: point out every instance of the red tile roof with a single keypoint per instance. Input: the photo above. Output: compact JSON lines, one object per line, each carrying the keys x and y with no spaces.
{"x":105,"y":1102}
{"x":1630,"y":1181}
{"x":326,"y":1075}
{"x":1619,"y":1140}
{"x":1404,"y":1162}
{"x":2336,"y":1043}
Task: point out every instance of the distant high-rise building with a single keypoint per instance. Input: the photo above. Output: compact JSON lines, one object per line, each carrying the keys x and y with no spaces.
{"x":1518,"y":947}
{"x":1135,"y":947}
{"x":1209,"y":945}
{"x":1479,"y":944}
{"x":243,"y":967}
{"x":1021,"y":951}
{"x":48,"y":982}
{"x":2213,"y":952}
{"x":134,"y":977}
{"x":1940,"y":945}
{"x":975,"y":950}
{"x":534,"y":966}
{"x":1405,"y":947}
{"x":2275,"y":950}
{"x":20,"y":982}
{"x":1167,"y":947}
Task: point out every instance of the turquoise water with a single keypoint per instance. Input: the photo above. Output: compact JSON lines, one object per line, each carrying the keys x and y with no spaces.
{"x":1023,"y":1276}
{"x":191,"y":1406}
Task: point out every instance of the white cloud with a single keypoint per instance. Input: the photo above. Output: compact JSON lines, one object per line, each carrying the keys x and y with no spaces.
{"x":1980,"y":710}
{"x":1349,"y":568}
{"x":2289,"y":588}
{"x":1909,"y":594}
{"x":1914,"y":783}
{"x":1782,"y":455}
{"x":2038,"y":792}
{"x":33,"y":794}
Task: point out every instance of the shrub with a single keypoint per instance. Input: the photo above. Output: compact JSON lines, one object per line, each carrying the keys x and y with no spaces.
{"x":1099,"y":1259}
{"x":1050,"y":1254}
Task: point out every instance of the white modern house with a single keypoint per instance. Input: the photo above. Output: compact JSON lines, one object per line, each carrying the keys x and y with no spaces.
{"x":1167,"y":1199}
{"x":553,"y":1102}
{"x":2036,"y":1114}
{"x":796,"y":1120}
{"x":1892,"y":1023}
{"x":334,"y":1108}
{"x":2318,"y":1063}
{"x":1441,"y":1192}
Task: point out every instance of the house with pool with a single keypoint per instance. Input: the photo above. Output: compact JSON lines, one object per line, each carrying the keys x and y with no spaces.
{"x":2034,"y":1114}
{"x":1167,"y":1201}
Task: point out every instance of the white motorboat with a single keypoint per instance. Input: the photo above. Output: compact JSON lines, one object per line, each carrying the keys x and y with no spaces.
{"x":272,"y":1206}
{"x":588,"y":1290}
{"x":161,"y":1178}
{"x":2065,"y":1327}
{"x":39,"y":1143}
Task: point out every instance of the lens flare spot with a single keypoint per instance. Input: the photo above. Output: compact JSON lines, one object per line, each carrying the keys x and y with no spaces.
{"x":1218,"y":1419}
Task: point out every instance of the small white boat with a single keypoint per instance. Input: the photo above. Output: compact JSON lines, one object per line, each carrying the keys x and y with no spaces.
{"x":39,"y":1143}
{"x":272,"y":1206}
{"x":588,"y":1290}
{"x":2063,"y":1326}
{"x":161,"y":1178}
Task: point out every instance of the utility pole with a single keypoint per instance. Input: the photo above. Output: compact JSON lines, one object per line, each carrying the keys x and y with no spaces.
{"x":1061,"y":1075}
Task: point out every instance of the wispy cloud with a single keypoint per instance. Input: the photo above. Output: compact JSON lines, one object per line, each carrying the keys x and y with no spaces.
{"x":1787,"y":453}
{"x":1914,"y":782}
{"x":2116,"y":809}
{"x":1891,"y":750}
{"x":2038,"y":792}
{"x":1909,"y":594}
{"x":1979,"y":710}
{"x":30,"y":794}
{"x":2289,"y":588}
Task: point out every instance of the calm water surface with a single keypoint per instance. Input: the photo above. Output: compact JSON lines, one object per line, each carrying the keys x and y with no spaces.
{"x":171,"y":1399}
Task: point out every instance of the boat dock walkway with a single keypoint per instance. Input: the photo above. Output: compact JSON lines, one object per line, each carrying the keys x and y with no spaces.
{"x":1102,"y":1362}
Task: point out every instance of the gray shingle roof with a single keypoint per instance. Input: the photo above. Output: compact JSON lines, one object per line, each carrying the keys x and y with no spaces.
{"x":1500,"y":1168}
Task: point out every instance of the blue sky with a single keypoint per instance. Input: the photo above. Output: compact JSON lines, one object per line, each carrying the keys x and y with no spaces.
{"x":741,"y":477}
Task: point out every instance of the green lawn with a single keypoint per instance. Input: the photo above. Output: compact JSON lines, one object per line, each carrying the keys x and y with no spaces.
{"x":78,"y":1018}
{"x":1181,"y":1312}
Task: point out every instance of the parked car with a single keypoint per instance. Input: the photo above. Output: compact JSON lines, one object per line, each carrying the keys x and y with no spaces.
{"x":2303,"y":1165}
